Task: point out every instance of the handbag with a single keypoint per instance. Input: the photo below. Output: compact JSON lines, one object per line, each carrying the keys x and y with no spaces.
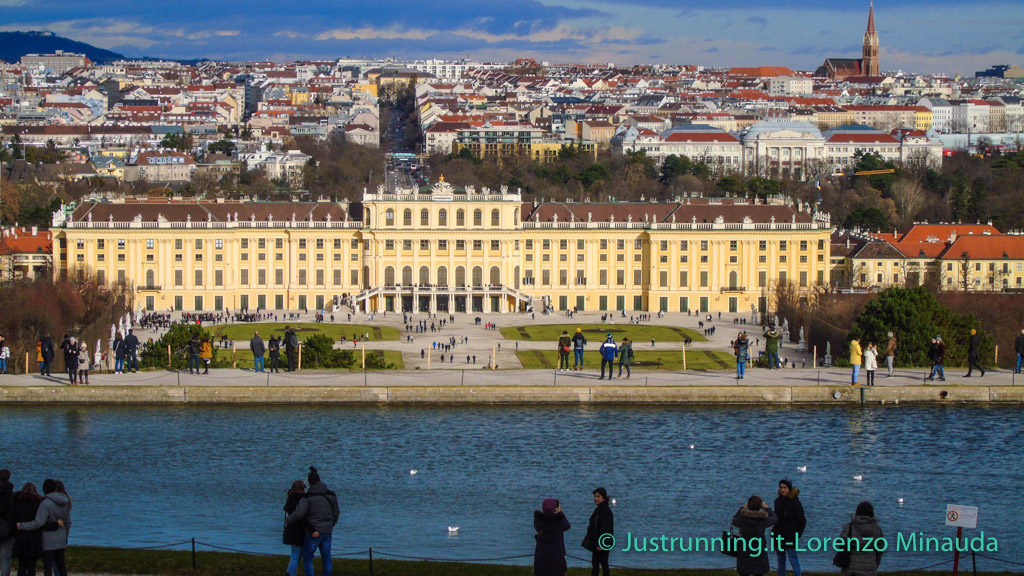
{"x":842,"y":558}
{"x":587,"y":544}
{"x":730,"y":543}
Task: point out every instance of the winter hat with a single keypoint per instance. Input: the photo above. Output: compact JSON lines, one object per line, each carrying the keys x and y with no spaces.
{"x":313,"y":476}
{"x":973,"y":332}
{"x":787,"y":482}
{"x":609,"y":336}
{"x":578,"y":330}
{"x":565,"y":332}
{"x":865,"y":509}
{"x":549,"y":505}
{"x":49,"y":486}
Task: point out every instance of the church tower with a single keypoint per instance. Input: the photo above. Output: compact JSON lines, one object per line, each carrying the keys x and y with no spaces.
{"x":869,"y":61}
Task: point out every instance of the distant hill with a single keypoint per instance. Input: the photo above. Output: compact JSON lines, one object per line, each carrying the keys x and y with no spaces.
{"x":14,"y":45}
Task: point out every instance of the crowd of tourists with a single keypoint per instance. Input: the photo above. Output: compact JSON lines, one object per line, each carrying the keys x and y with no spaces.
{"x":33,"y":527}
{"x":78,"y":361}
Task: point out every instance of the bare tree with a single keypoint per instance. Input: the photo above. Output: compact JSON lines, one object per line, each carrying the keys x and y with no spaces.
{"x":965,"y":271}
{"x":909,"y":196}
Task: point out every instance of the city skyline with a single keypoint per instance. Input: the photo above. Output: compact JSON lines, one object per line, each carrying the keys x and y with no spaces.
{"x":737,"y":33}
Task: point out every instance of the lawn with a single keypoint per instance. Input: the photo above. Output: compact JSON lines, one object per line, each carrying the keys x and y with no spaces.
{"x":243,"y":332}
{"x":644,"y":359}
{"x":243,"y":357}
{"x":595,"y":333}
{"x":95,"y":560}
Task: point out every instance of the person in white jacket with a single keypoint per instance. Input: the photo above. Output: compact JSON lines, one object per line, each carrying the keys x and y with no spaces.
{"x":871,"y":362}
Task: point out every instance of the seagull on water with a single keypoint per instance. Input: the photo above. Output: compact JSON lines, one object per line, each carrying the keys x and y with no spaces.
{"x":453,"y":530}
{"x":858,"y":477}
{"x":413,"y":472}
{"x":692,"y":446}
{"x":801,"y":468}
{"x":899,"y":501}
{"x":613,"y":501}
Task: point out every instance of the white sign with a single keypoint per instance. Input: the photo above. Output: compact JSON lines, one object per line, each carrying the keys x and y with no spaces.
{"x":961,"y":516}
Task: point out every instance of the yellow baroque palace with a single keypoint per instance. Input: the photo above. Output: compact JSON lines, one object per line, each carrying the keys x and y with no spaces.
{"x":446,"y":251}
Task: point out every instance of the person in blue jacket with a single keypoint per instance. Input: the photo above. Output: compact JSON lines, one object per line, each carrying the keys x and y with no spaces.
{"x":608,"y":352}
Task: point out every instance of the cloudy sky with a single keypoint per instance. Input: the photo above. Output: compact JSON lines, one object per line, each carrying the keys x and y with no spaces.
{"x":948,"y":36}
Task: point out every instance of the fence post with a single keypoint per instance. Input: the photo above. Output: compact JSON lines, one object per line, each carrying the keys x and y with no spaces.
{"x":298,"y":366}
{"x":234,"y":360}
{"x":26,"y":363}
{"x":193,"y":553}
{"x":815,"y":364}
{"x":169,"y":357}
{"x":364,"y":355}
{"x":684,"y":355}
{"x":995,"y":361}
{"x":371,"y":561}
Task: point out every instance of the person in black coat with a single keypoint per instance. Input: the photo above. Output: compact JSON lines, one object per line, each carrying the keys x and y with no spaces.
{"x":974,"y":354}
{"x":752,"y":520}
{"x":6,"y":526}
{"x":28,"y":544}
{"x":294,"y":533}
{"x":46,"y":349}
{"x":551,"y":525}
{"x":602,"y":521}
{"x":274,"y":352}
{"x":790,"y":525}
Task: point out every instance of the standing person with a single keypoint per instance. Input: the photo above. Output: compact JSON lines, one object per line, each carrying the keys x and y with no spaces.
{"x":83,"y":363}
{"x":890,"y":353}
{"x":564,"y":347}
{"x":6,"y":527}
{"x":5,"y":356}
{"x":856,"y":358}
{"x":752,"y":520}
{"x":625,"y":356}
{"x":131,"y":350}
{"x":193,"y":353}
{"x":294,"y":533}
{"x":1018,"y":347}
{"x":28,"y":544}
{"x":863,"y":525}
{"x":608,"y":350}
{"x":118,"y":347}
{"x":70,"y":349}
{"x":291,"y":345}
{"x":602,"y":522}
{"x":258,"y":350}
{"x":871,"y":362}
{"x":320,"y":511}
{"x":55,"y":508}
{"x":549,"y":553}
{"x":790,"y":524}
{"x":46,"y":348}
{"x":974,"y":354}
{"x":206,"y":353}
{"x":741,"y":348}
{"x":274,"y":352}
{"x":771,"y":346}
{"x":578,"y":343}
{"x":938,"y":355}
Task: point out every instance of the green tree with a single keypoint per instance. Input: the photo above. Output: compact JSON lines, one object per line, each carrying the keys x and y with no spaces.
{"x":225,"y":147}
{"x":867,"y":218}
{"x":175,"y":141}
{"x":318,"y":352}
{"x":154,"y":354}
{"x":763,"y":187}
{"x":914,"y":316}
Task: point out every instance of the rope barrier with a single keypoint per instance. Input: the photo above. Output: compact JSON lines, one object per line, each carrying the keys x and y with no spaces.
{"x":225,"y":548}
{"x":159,"y":546}
{"x":921,"y":568}
{"x":453,"y":559}
{"x":1003,"y":560}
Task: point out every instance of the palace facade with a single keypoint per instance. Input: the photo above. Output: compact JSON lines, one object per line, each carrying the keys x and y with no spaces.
{"x":447,"y":251}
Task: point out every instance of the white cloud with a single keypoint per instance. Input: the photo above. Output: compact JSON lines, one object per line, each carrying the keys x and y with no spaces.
{"x":562,"y":32}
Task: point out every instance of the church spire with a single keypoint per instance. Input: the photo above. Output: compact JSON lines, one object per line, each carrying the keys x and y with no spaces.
{"x":869,"y":60}
{"x":871,"y":18}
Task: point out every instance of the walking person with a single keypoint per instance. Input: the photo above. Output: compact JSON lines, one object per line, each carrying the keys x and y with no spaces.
{"x":870,"y":362}
{"x":608,"y":351}
{"x":602,"y":522}
{"x":28,"y":544}
{"x":625,"y":356}
{"x":864,"y":526}
{"x":83,"y":363}
{"x":937,"y":353}
{"x":578,"y":343}
{"x":890,"y":353}
{"x":752,"y":520}
{"x":741,"y":348}
{"x":294,"y":533}
{"x":320,"y":512}
{"x":6,"y":527}
{"x":5,"y":356}
{"x":974,"y":354}
{"x":274,"y":352}
{"x":47,"y":351}
{"x":258,"y":350}
{"x":1018,"y":347}
{"x":55,"y":508}
{"x":70,"y":349}
{"x":206,"y":353}
{"x":118,"y":347}
{"x":564,"y":347}
{"x":193,"y":353}
{"x":549,"y":553}
{"x":856,"y":358}
{"x":790,"y":524}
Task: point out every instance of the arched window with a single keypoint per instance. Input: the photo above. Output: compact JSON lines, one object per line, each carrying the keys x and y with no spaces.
{"x":407,"y":276}
{"x":516,"y":277}
{"x":495,"y":218}
{"x":495,"y":275}
{"x":732,"y":280}
{"x":424,"y":275}
{"x":478,"y":276}
{"x":442,"y":217}
{"x":389,"y":217}
{"x":515,"y":217}
{"x":460,"y":217}
{"x":424,"y":217}
{"x":407,"y":217}
{"x":478,"y":217}
{"x":442,"y":276}
{"x":150,"y":278}
{"x":389,"y":276}
{"x":460,"y":277}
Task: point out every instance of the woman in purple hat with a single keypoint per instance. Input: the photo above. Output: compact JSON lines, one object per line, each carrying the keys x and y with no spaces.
{"x":550,"y":524}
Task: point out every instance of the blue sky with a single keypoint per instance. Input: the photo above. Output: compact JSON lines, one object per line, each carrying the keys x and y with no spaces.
{"x":916,"y":35}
